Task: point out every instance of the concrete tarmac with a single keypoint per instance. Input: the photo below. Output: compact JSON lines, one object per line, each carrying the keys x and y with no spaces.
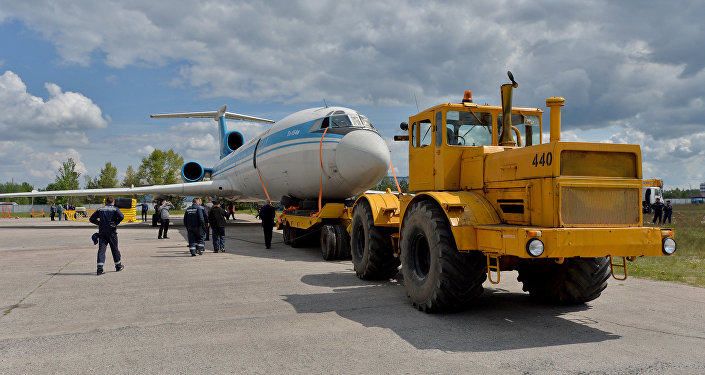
{"x":285,"y":310}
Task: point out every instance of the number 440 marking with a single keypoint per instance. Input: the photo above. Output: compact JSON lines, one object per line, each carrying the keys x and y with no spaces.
{"x":546,"y":159}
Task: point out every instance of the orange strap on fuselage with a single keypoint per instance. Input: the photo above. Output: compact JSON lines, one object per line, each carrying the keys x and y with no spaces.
{"x":320,"y":158}
{"x":263,"y":187}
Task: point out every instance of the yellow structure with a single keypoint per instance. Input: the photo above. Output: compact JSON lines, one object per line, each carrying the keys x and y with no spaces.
{"x":491,"y":196}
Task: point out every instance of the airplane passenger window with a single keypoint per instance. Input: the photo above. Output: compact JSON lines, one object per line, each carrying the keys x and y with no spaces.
{"x":340,"y":121}
{"x":468,"y":128}
{"x":425,"y":133}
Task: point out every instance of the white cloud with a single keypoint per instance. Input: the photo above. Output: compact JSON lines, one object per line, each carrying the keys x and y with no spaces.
{"x":60,"y":120}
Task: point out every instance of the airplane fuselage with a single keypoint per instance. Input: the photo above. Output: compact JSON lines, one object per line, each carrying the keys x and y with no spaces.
{"x":289,"y":156}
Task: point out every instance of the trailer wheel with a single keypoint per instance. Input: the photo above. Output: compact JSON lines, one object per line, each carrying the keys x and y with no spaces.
{"x":437,"y":277}
{"x":291,"y":235}
{"x":576,"y":281}
{"x":371,"y":247}
{"x":328,"y":243}
{"x":342,"y":242}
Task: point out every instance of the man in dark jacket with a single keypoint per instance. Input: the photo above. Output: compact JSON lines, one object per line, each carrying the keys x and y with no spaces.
{"x":164,"y":217}
{"x":667,"y":212}
{"x":267,"y":214}
{"x":195,"y":225}
{"x":217,"y":217}
{"x":107,"y":218}
{"x":658,"y":210}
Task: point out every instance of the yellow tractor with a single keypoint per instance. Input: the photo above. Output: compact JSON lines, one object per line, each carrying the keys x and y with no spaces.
{"x":488,"y":195}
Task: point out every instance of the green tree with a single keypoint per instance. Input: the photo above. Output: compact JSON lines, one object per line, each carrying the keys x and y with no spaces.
{"x":160,"y":168}
{"x":67,"y":179}
{"x":388,"y":183}
{"x":131,"y":178}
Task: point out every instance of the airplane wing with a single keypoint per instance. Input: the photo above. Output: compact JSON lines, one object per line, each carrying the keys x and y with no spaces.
{"x":214,"y":115}
{"x":202,"y":188}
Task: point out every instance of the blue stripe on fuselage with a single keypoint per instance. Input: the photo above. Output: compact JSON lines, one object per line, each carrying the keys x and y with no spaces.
{"x":302,"y":130}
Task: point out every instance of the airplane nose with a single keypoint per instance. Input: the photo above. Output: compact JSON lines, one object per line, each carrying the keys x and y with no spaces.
{"x":362,"y":158}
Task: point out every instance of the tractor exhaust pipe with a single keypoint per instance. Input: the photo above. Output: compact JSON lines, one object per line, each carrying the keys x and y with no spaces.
{"x":555,"y":104}
{"x":507,"y":136}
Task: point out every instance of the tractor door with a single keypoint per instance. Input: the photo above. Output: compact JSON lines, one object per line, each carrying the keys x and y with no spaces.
{"x":421,"y":153}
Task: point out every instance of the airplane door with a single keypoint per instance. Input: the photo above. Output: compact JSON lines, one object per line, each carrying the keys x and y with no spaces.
{"x":421,"y":147}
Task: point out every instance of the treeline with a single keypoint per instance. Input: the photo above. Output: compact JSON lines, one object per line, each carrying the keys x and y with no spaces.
{"x":678,"y":193}
{"x":158,"y":168}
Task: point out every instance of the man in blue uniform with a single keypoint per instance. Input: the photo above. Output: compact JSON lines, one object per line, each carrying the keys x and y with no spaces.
{"x":667,"y":212}
{"x":107,"y":218}
{"x":195,"y":225}
{"x":658,"y":210}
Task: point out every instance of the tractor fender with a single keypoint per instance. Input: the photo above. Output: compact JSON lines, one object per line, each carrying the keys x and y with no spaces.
{"x":384,"y":207}
{"x":464,"y":210}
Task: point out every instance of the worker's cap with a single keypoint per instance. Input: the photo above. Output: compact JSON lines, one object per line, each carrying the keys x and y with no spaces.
{"x":216,"y":202}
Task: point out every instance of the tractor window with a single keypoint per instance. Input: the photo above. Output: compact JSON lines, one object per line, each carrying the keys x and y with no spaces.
{"x":425,"y":134}
{"x":529,"y":128}
{"x":439,"y":128}
{"x":414,"y":136}
{"x":468,"y":128}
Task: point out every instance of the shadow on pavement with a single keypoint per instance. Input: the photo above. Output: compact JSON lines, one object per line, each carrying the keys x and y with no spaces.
{"x":499,"y":320}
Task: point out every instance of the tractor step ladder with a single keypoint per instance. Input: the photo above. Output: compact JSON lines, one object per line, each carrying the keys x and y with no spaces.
{"x":493,"y":267}
{"x":622,"y":266}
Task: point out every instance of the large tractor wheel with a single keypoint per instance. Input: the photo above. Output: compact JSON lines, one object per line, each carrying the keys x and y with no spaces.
{"x":371,"y":247}
{"x":576,"y":281}
{"x":286,"y":234}
{"x":437,"y":277}
{"x":342,"y":242}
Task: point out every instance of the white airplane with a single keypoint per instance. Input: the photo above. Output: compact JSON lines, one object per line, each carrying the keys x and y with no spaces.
{"x":331,"y":151}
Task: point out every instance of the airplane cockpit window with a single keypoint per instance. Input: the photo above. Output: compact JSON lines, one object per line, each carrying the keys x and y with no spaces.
{"x":468,"y":128}
{"x":340,"y":121}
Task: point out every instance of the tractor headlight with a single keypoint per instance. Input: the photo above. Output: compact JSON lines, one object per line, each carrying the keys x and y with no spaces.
{"x":534,"y":247}
{"x":669,"y":246}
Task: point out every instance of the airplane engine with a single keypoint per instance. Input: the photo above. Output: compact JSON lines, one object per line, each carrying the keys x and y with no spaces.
{"x":234,"y":140}
{"x":192,"y":172}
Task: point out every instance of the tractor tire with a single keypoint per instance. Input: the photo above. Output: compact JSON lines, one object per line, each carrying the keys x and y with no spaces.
{"x":371,"y":247}
{"x":342,"y":242}
{"x":576,"y":281}
{"x":437,"y":277}
{"x":329,"y":248}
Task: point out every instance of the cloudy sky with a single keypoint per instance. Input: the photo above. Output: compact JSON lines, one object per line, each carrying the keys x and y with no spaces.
{"x":79,"y":78}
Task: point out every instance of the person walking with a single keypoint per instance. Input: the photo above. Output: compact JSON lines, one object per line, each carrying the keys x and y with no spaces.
{"x":60,"y":210}
{"x":107,"y":219}
{"x":52,"y":211}
{"x":195,"y":225}
{"x":206,"y":211}
{"x":145,"y":208}
{"x":658,"y":210}
{"x":216,"y":218}
{"x":267,"y":214}
{"x":667,"y":212}
{"x":231,"y":210}
{"x":164,"y":215}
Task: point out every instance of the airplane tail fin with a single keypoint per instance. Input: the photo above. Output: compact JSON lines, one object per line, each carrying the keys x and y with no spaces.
{"x":229,"y":141}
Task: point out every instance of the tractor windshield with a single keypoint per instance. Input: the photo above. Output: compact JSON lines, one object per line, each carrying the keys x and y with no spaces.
{"x":468,"y":128}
